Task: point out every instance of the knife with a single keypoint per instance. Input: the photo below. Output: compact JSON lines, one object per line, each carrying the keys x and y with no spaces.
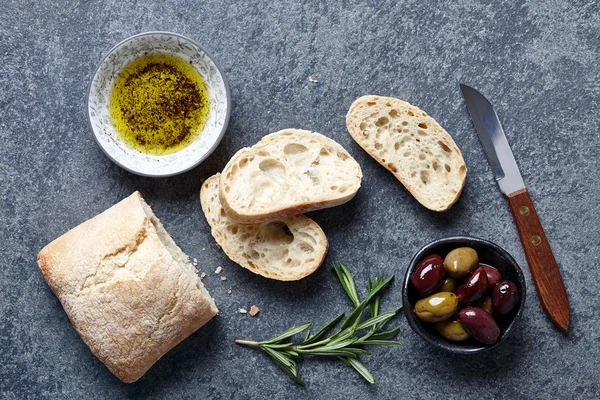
{"x":544,"y":270}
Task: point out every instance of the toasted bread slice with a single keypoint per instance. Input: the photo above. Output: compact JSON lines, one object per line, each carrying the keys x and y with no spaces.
{"x":287,"y":249}
{"x":287,"y":173}
{"x":412,"y":146}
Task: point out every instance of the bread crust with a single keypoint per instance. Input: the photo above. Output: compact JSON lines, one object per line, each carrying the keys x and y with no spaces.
{"x":305,"y":246}
{"x":286,"y":203}
{"x":446,"y":194}
{"x":126,"y":287}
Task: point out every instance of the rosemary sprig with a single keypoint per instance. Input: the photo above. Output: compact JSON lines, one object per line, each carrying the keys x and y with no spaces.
{"x":346,"y":343}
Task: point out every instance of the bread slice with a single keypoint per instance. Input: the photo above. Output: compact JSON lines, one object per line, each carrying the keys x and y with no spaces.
{"x":412,"y":146}
{"x":129,"y":291}
{"x":287,"y":249}
{"x":287,"y":173}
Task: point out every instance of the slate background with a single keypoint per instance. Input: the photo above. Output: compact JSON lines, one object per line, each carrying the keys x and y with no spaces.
{"x":536,"y":60}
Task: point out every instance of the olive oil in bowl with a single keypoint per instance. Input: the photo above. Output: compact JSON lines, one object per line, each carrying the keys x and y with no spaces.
{"x":159,"y":104}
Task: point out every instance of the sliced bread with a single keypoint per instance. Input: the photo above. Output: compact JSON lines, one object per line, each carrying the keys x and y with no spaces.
{"x":287,"y":173}
{"x":412,"y":146}
{"x":287,"y":249}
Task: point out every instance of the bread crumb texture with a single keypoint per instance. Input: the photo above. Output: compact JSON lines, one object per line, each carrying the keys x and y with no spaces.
{"x":129,"y":291}
{"x":287,"y":173}
{"x":253,"y":311}
{"x":286,"y":249}
{"x":412,"y":146}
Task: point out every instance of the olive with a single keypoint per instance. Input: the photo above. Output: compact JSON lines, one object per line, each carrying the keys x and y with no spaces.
{"x":459,"y":262}
{"x":452,"y":329}
{"x":493,"y":275}
{"x":485,"y":303}
{"x":429,"y":275}
{"x":449,"y":285}
{"x":473,"y":287}
{"x":504,"y":297}
{"x":480,"y":324}
{"x":436,"y":307}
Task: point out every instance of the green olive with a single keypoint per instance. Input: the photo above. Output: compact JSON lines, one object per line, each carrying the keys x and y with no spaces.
{"x":485,"y":303}
{"x":449,"y":285}
{"x":452,"y":329}
{"x":436,"y":307}
{"x":459,"y":262}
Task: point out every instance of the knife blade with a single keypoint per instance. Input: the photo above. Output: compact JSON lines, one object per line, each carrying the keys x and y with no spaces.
{"x":542,"y":264}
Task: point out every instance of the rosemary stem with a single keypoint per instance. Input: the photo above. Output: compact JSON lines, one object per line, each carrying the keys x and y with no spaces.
{"x":247,"y":342}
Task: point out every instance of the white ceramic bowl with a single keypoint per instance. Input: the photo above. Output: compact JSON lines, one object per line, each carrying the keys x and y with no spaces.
{"x":98,"y":113}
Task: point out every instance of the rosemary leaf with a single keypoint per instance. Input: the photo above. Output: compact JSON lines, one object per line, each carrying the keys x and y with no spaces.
{"x":360,"y":368}
{"x":381,"y":318}
{"x":385,"y":335}
{"x":360,"y":308}
{"x":279,"y":357}
{"x":374,"y":306}
{"x":292,"y":355}
{"x":276,"y":346}
{"x":341,"y":335}
{"x":285,"y":364}
{"x":357,"y":350}
{"x":381,"y":342}
{"x":340,"y":344}
{"x":347,"y":281}
{"x":307,"y":335}
{"x":397,"y":311}
{"x":291,"y":331}
{"x":328,"y":352}
{"x":323,"y":330}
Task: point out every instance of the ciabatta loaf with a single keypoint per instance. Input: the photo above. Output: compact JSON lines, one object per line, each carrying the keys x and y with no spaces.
{"x":287,"y":173}
{"x":412,"y":146}
{"x":287,"y":249}
{"x":129,"y":291}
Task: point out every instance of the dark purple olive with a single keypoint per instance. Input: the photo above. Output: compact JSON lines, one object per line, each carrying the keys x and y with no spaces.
{"x":493,"y":275}
{"x":473,"y":287}
{"x":504,"y":297}
{"x":429,"y":275}
{"x":479,"y":324}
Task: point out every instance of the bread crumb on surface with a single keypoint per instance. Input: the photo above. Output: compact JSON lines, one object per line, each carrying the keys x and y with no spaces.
{"x":204,"y":248}
{"x":229,"y":291}
{"x":254,"y":310}
{"x":223,"y":278}
{"x":311,"y":80}
{"x":218,"y":270}
{"x":243,"y":311}
{"x":203,"y":275}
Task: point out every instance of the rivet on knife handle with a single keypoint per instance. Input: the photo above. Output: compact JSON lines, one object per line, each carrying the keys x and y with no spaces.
{"x":544,"y":270}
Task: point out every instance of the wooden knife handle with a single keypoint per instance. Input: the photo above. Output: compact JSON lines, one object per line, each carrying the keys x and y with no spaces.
{"x":544,"y":270}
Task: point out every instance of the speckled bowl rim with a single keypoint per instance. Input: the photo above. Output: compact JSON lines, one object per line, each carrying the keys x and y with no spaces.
{"x":411,"y":318}
{"x":227,"y":113}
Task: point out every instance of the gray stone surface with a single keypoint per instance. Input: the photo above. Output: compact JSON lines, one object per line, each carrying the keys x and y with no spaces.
{"x":536,"y":60}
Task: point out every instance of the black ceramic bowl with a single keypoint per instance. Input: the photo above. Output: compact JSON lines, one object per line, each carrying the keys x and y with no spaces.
{"x":489,"y":253}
